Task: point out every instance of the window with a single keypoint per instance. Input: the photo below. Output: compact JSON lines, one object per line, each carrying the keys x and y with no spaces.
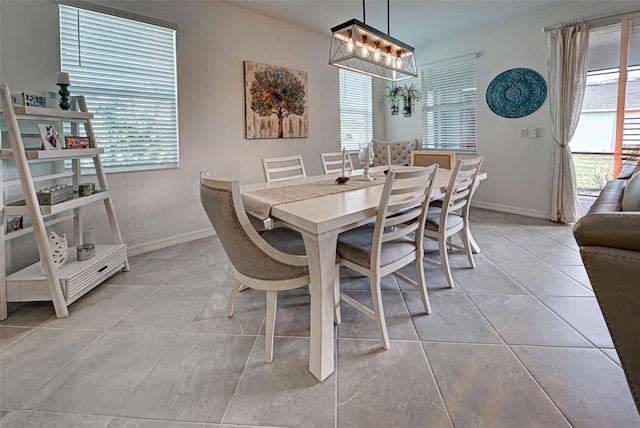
{"x":126,"y":69}
{"x":449,"y":106}
{"x":609,"y":126}
{"x":356,"y":123}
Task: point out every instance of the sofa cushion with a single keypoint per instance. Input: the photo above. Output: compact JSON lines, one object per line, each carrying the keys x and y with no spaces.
{"x":610,"y":198}
{"x":631,"y":196}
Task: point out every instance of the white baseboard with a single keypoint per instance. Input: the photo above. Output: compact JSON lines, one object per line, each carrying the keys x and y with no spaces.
{"x":510,"y":210}
{"x":134,"y":250}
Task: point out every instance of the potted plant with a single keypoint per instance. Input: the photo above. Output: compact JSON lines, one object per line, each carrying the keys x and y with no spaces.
{"x":409,"y":94}
{"x":393,"y":96}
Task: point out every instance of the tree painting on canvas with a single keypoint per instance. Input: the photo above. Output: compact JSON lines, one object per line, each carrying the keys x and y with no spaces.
{"x":275,"y":102}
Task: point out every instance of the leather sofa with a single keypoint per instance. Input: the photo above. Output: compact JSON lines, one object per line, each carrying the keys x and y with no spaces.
{"x":609,"y":241}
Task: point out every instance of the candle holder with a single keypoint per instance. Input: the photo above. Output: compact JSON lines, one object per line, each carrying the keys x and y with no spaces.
{"x":343,"y":178}
{"x":365,"y":155}
{"x":64,"y":96}
{"x":365,"y":173}
{"x":87,"y":250}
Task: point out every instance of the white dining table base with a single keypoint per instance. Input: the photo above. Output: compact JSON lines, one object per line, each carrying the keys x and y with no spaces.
{"x":321,"y":254}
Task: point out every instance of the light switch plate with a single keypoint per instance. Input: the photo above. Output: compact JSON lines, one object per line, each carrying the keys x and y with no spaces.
{"x":523,"y":132}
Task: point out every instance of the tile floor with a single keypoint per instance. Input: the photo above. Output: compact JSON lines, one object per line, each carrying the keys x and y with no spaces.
{"x":520,"y":342}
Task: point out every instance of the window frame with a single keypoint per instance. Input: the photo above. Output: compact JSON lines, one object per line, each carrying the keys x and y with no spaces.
{"x":356,"y":103}
{"x":445,"y":98}
{"x":133,"y":96}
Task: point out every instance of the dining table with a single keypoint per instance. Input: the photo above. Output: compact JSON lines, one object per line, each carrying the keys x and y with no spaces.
{"x":320,"y":209}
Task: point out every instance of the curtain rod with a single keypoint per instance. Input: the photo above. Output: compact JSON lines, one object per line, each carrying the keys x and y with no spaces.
{"x":631,"y":14}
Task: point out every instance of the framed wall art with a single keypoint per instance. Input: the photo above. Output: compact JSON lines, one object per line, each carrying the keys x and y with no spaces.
{"x":275,"y":102}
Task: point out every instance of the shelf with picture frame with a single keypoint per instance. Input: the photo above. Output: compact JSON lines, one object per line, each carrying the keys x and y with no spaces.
{"x":20,"y":207}
{"x":48,"y":155}
{"x":24,"y":111}
{"x":60,"y":284}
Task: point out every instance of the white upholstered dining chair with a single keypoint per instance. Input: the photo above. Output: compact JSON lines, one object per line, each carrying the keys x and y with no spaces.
{"x":272,"y":261}
{"x":400,"y":151}
{"x":395,"y":240}
{"x":451,"y":217}
{"x":283,"y":168}
{"x":332,"y":162}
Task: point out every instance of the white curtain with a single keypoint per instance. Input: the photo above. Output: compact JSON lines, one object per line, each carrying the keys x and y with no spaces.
{"x":567,"y":49}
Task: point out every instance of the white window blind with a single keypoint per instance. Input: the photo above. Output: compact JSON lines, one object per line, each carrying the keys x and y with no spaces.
{"x":356,"y":122}
{"x":127,"y":71}
{"x":449,"y":107}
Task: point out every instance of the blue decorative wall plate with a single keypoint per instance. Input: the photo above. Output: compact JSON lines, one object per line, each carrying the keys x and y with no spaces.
{"x":516,"y":93}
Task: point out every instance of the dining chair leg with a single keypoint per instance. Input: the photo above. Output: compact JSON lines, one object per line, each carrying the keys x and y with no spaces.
{"x":422,"y":285}
{"x":444,"y":260}
{"x":464,"y":234}
{"x":376,"y":296}
{"x":232,"y":297}
{"x":270,"y":324}
{"x":337,"y":316}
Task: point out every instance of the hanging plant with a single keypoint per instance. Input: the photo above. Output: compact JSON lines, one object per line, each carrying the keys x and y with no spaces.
{"x":393,"y":96}
{"x":409,"y":94}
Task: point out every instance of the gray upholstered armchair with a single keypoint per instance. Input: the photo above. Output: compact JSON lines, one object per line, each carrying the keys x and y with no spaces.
{"x":400,"y":151}
{"x":271,"y":261}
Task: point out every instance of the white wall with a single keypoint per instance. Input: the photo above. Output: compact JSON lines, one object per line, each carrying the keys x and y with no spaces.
{"x":519,"y":168}
{"x":213,"y":40}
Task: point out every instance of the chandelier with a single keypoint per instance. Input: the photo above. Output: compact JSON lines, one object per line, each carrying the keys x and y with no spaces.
{"x":359,"y":47}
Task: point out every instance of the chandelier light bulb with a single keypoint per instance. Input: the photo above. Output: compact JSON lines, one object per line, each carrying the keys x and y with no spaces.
{"x":365,"y":48}
{"x":388,"y":56}
{"x":376,"y":53}
{"x":398,"y":60}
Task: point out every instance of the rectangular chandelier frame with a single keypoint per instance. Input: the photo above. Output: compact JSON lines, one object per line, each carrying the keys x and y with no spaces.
{"x":359,"y":47}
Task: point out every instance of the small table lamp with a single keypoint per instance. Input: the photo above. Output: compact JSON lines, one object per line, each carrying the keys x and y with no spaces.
{"x":63,"y":82}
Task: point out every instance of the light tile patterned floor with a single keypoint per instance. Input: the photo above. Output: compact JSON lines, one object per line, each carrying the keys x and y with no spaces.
{"x":519,"y":342}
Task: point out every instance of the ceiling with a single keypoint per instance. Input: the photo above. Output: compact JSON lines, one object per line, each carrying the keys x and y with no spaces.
{"x":414,"y":22}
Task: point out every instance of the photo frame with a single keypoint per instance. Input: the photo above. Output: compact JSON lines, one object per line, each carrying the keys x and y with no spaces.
{"x":50,"y":137}
{"x":73,"y":142}
{"x":276,"y":104}
{"x":14,"y":224}
{"x":33,"y":100}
